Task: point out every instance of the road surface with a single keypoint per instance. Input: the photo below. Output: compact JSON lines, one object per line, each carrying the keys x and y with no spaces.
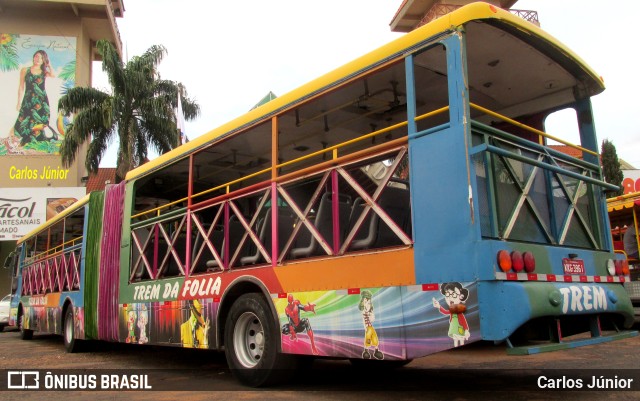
{"x":476,"y":371}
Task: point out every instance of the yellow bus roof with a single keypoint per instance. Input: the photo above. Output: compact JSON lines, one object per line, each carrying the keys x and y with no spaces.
{"x":75,"y":206}
{"x":474,"y":11}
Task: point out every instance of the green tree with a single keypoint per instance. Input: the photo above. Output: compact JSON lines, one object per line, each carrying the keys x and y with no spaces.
{"x":9,"y":59}
{"x":138,"y":112}
{"x":611,"y":166}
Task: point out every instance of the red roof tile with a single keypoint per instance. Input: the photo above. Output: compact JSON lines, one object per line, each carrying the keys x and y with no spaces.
{"x":568,"y":150}
{"x":99,"y":180}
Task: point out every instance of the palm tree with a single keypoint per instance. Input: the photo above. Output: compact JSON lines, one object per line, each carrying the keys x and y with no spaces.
{"x":9,"y":59}
{"x":139,"y":110}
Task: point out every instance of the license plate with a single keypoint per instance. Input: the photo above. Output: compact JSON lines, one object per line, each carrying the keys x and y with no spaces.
{"x":573,"y":266}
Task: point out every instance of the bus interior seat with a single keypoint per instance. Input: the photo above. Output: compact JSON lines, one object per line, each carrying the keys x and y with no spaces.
{"x":236,"y":230}
{"x":324,"y":224}
{"x":367,"y":232}
{"x":252,"y":251}
{"x":396,"y":203}
{"x":375,"y":233}
{"x":285,"y":228}
{"x":215,"y":237}
{"x":180,"y":244}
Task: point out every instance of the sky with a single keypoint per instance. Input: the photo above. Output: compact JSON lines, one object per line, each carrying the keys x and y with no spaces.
{"x":231,"y":54}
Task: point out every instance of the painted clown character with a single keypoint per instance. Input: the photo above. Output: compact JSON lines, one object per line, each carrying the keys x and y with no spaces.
{"x":194,"y":333}
{"x":79,"y":312}
{"x":143,"y":319}
{"x":297,"y":324}
{"x":455,"y":296}
{"x":370,"y":335}
{"x":132,"y":316}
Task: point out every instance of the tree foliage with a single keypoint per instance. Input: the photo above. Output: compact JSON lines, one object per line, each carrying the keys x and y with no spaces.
{"x":138,"y":112}
{"x":611,"y":166}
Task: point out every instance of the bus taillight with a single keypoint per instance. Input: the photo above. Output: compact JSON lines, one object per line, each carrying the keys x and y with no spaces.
{"x":504,"y":260}
{"x":622,"y":267}
{"x":517,"y":261}
{"x":618,"y":267}
{"x":625,"y":267}
{"x":529,"y":262}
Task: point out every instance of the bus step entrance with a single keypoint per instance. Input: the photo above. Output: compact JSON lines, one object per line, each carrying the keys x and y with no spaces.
{"x":557,"y":342}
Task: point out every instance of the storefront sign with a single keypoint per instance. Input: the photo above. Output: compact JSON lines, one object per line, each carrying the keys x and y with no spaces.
{"x":24,"y":209}
{"x":631,"y":181}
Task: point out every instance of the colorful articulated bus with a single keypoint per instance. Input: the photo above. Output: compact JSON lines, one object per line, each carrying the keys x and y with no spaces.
{"x":624,"y":216}
{"x":403,"y":204}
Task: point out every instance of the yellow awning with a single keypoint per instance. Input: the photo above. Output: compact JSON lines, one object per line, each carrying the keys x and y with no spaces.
{"x":623,"y":202}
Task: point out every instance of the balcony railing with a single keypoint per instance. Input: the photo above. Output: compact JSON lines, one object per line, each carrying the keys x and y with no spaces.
{"x":527,"y":15}
{"x":440,"y":10}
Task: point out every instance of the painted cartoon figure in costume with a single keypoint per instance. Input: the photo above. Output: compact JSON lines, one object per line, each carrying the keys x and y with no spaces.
{"x":370,"y":335}
{"x":143,"y":319}
{"x":132,"y":316}
{"x":455,"y":295}
{"x":194,"y":333}
{"x":79,"y":313}
{"x":297,"y":324}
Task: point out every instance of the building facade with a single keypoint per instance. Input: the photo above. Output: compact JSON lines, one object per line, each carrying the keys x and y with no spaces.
{"x":413,"y":14}
{"x":46,"y":47}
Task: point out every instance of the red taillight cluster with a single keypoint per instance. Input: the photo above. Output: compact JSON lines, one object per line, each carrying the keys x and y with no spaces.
{"x":618,"y":267}
{"x":516,"y":261}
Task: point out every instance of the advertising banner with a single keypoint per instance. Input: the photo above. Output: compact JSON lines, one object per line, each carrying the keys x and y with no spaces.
{"x":631,"y":181}
{"x":35,"y":71}
{"x":24,"y":209}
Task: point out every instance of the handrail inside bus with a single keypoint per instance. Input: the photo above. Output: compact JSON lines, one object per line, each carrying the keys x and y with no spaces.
{"x":431,"y":113}
{"x":621,"y":252}
{"x":297,"y":160}
{"x":484,"y":128}
{"x":53,"y":251}
{"x":356,"y":140}
{"x":530,"y":129}
{"x":546,"y":166}
{"x":55,"y":219}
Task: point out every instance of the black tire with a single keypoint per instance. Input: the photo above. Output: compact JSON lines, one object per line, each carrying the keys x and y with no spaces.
{"x":25,"y":334}
{"x":251,"y":336}
{"x":2,"y":328}
{"x":68,"y":332}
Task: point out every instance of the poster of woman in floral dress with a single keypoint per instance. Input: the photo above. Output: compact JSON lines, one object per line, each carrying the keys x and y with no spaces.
{"x":35,"y":71}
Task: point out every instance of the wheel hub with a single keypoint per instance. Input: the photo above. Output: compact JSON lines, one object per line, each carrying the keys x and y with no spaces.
{"x":248,"y":339}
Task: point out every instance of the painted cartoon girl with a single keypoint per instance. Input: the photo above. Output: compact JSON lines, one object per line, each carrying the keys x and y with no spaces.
{"x":455,"y":296}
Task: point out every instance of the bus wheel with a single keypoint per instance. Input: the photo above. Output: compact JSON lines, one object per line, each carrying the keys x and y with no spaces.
{"x":25,"y":334}
{"x":250,"y":338}
{"x":68,"y":331}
